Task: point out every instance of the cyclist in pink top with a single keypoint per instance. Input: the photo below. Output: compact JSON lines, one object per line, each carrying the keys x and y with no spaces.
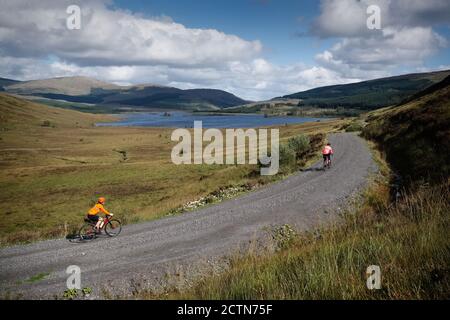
{"x":327,"y":151}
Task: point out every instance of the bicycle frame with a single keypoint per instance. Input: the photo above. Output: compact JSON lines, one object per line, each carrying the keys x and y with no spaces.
{"x":104,"y":222}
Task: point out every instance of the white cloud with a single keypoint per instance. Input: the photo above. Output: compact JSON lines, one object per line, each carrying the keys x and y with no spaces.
{"x":113,"y":37}
{"x":344,"y":18}
{"x":377,"y":56}
{"x":347,"y":18}
{"x":418,"y":12}
{"x":405,"y":40}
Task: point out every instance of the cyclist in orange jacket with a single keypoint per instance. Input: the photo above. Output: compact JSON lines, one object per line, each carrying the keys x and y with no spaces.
{"x":327,"y":151}
{"x":95,"y":210}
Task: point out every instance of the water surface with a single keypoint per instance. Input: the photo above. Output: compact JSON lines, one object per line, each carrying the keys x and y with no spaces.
{"x":179,"y":119}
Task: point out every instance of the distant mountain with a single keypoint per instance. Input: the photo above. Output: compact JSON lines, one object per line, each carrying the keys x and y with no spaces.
{"x":368,"y":95}
{"x":73,"y":86}
{"x":87,"y":90}
{"x":6,"y":82}
{"x":168,"y":97}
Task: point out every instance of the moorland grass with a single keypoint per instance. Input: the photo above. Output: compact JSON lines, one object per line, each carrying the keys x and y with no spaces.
{"x":50,"y":176}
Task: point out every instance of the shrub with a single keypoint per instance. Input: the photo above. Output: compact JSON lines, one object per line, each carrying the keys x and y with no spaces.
{"x":287,"y":158}
{"x":354,"y":126}
{"x":46,"y":123}
{"x":299,"y":144}
{"x":297,"y":151}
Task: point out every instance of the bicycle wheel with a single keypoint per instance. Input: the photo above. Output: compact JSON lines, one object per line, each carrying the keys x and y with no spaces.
{"x":86,"y":232}
{"x":113,"y":228}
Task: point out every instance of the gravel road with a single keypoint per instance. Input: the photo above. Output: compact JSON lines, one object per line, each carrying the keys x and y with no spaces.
{"x":144,"y":254}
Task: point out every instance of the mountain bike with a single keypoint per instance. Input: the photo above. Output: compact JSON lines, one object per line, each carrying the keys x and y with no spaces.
{"x":110,"y":225}
{"x":327,"y":162}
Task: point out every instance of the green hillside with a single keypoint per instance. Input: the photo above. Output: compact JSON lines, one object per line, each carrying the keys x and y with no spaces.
{"x":416,"y":135}
{"x":369,"y":95}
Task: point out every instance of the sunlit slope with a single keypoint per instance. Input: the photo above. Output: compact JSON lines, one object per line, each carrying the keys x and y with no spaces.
{"x":17,"y":113}
{"x":369,"y":95}
{"x":416,"y":135}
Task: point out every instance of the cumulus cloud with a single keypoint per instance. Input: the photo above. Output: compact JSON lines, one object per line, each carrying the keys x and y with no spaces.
{"x":344,"y":18}
{"x":112,"y":37}
{"x":126,"y":48}
{"x":377,"y":55}
{"x":347,"y":18}
{"x":261,"y":79}
{"x":406,"y":37}
{"x":418,"y":12}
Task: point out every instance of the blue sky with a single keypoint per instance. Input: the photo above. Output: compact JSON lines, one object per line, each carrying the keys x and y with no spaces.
{"x":256,"y":49}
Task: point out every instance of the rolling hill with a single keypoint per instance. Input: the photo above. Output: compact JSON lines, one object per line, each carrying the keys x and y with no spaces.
{"x":87,"y":90}
{"x":20,"y":114}
{"x":6,"y":82}
{"x":368,"y":95}
{"x":72,"y":86}
{"x":415,"y":135}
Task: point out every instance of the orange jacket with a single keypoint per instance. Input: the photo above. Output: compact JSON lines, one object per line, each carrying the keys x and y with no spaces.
{"x":97,"y":209}
{"x":327,"y":150}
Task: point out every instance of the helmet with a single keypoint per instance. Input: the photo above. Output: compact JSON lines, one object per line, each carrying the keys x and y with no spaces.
{"x":101,"y":200}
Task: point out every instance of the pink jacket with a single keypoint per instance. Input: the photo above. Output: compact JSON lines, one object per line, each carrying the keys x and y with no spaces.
{"x":327,"y":150}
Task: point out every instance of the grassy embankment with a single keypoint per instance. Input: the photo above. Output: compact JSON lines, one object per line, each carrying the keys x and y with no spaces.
{"x":54,"y":163}
{"x":408,"y":239}
{"x":416,"y":135}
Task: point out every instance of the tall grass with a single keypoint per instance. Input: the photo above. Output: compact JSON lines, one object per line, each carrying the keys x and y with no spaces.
{"x":408,"y":240}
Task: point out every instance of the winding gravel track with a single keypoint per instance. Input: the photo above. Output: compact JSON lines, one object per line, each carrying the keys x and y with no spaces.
{"x":144,"y":252}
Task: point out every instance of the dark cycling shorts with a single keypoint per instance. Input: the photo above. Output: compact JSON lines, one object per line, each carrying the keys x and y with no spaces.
{"x":93,"y":218}
{"x":326,"y":156}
